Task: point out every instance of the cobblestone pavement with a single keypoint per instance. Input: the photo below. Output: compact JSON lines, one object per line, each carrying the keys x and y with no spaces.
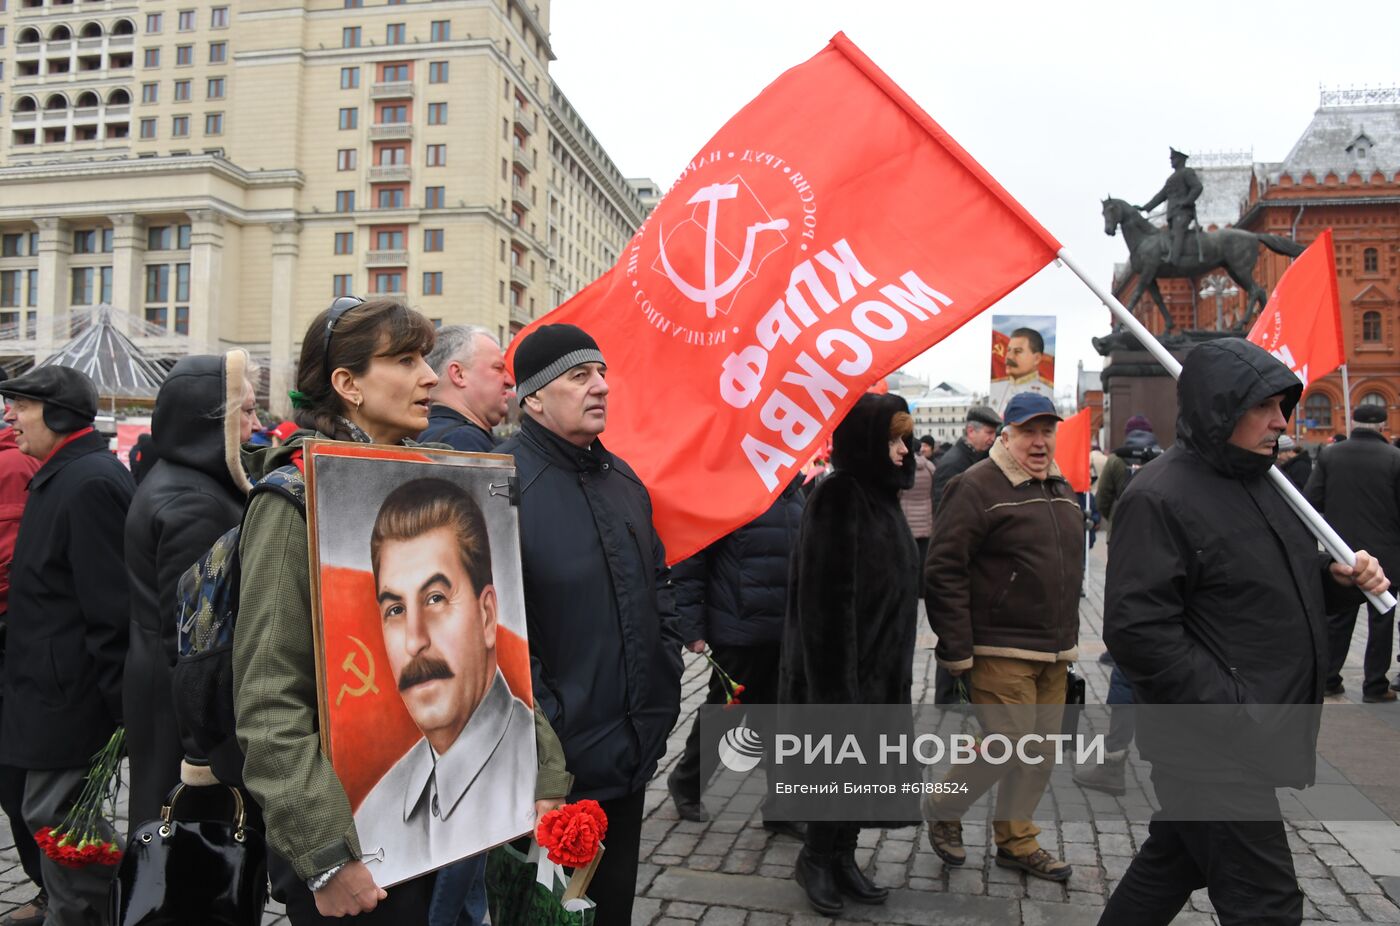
{"x":732,"y":872}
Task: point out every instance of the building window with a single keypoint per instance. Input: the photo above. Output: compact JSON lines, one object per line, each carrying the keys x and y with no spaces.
{"x":350,"y":37}
{"x":345,"y":201}
{"x":392,"y":156}
{"x":394,"y":114}
{"x":215,"y":89}
{"x":1371,"y":328}
{"x":155,"y":315}
{"x":432,"y":284}
{"x":441,"y":30}
{"x":1370,"y":261}
{"x":388,"y":240}
{"x":85,"y":241}
{"x":433,"y":197}
{"x":218,"y":17}
{"x":437,"y":155}
{"x":150,"y":93}
{"x":354,"y":4}
{"x":12,"y":246}
{"x":345,"y":242}
{"x":390,"y":281}
{"x":9,"y":289}
{"x":389,"y":197}
{"x":148,"y":128}
{"x":182,"y":237}
{"x":152,"y":22}
{"x":186,"y":22}
{"x":437,"y":72}
{"x":91,"y":286}
{"x":182,"y":319}
{"x":345,"y":159}
{"x":150,"y":58}
{"x":393,"y":34}
{"x":214,"y":124}
{"x":1373,"y":398}
{"x":184,"y":55}
{"x":389,"y":73}
{"x":437,"y":114}
{"x":340,"y":285}
{"x":182,"y":91}
{"x":179,"y":126}
{"x":1318,"y":410}
{"x":218,"y":52}
{"x":158,"y":283}
{"x":158,"y":238}
{"x":349,"y":78}
{"x":432,"y":239}
{"x":349,"y":117}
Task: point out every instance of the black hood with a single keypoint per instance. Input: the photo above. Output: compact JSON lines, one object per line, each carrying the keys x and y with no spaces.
{"x":195,"y":423}
{"x":1220,"y":380}
{"x":861,"y":444}
{"x":1136,"y":444}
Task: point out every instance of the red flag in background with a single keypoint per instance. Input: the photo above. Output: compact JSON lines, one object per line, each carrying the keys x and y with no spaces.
{"x":828,"y":233}
{"x":1302,"y":323}
{"x":1072,"y":443}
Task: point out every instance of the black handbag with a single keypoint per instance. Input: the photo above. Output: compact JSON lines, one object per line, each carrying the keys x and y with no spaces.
{"x":176,"y":872}
{"x":1074,"y":701}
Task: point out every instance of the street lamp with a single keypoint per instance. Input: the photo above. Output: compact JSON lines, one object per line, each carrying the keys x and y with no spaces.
{"x":1219,"y":285}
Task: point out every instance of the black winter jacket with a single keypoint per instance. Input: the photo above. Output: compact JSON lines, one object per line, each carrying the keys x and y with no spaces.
{"x":449,"y":426}
{"x":849,"y":633}
{"x":605,"y":641}
{"x":958,"y":459}
{"x":1356,"y":484}
{"x":1214,"y":592}
{"x":192,"y":495}
{"x":734,"y":592}
{"x":68,"y":611}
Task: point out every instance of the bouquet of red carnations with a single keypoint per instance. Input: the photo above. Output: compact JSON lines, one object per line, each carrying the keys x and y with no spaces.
{"x":572,"y":834}
{"x":79,"y":840}
{"x":732,"y":689}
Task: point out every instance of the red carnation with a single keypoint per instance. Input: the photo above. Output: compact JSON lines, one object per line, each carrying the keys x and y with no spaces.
{"x":571,"y":834}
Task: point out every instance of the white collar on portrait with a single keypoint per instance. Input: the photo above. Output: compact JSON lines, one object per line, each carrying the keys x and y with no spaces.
{"x":456,"y":769}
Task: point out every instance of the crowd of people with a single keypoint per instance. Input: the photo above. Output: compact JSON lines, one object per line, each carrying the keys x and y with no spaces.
{"x":1215,"y":593}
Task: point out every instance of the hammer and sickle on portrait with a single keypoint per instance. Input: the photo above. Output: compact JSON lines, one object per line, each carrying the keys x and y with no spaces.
{"x":352,"y":666}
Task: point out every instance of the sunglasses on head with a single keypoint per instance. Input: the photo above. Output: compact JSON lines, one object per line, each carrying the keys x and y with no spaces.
{"x":339,"y":307}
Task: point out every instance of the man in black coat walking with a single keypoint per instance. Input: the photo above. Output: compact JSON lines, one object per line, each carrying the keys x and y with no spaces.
{"x":605,"y":645}
{"x":1356,"y":484}
{"x":68,"y":616}
{"x":1214,"y":596}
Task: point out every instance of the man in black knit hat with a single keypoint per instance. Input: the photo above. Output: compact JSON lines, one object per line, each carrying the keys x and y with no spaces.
{"x":605,"y":641}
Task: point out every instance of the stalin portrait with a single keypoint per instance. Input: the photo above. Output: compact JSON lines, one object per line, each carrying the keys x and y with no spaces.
{"x":468,"y":783}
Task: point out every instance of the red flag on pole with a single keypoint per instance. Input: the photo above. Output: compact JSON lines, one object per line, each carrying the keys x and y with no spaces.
{"x":1302,"y":323}
{"x":828,"y":233}
{"x":1072,"y":443}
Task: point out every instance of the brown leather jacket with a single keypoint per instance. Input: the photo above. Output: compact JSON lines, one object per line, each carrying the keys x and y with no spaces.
{"x":1004,"y":568}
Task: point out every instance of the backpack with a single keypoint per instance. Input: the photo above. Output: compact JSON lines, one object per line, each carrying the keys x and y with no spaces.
{"x":206,"y":617}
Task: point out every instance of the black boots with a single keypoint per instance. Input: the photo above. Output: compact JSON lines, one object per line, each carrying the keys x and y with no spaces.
{"x":816,"y":873}
{"x":852,"y":882}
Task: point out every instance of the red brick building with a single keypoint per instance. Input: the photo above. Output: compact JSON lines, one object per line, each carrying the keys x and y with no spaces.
{"x":1343,"y":173}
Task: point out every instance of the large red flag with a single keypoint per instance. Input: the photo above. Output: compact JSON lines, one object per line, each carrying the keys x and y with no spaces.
{"x":828,"y":233}
{"x":1072,"y":449}
{"x":1302,"y":323}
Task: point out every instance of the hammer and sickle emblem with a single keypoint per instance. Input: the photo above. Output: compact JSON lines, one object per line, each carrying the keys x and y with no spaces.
{"x":712,"y":290}
{"x":352,"y":666}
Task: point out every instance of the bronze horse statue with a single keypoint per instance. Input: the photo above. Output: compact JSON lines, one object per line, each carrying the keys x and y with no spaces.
{"x":1235,"y":250}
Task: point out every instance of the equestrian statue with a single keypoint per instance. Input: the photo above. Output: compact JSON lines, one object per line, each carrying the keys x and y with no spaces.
{"x":1179,"y":252}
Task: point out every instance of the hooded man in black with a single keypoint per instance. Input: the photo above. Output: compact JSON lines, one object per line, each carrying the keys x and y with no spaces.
{"x":192,"y":494}
{"x":1214,"y":596}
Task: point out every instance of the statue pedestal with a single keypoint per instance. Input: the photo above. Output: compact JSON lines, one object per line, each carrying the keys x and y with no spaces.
{"x":1134,"y":383}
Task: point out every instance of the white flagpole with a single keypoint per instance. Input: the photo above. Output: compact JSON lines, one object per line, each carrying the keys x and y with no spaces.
{"x":1346,"y":397}
{"x":1336,"y":547}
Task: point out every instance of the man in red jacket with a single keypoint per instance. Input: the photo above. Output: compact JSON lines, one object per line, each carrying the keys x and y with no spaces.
{"x":16,"y":469}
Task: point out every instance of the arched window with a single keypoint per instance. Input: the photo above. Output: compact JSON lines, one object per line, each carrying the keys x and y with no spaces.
{"x":29,"y":36}
{"x":91,"y":31}
{"x":60,"y":33}
{"x":26,"y":104}
{"x":119,"y":97}
{"x":1372,"y":398}
{"x":124,"y":27}
{"x":57,"y":101}
{"x":87,"y":100}
{"x":1317,"y":408}
{"x":1371,"y":327}
{"x":1370,"y":260}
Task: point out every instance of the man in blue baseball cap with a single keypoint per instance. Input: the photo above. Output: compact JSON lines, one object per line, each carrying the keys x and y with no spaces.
{"x":1003,"y":574}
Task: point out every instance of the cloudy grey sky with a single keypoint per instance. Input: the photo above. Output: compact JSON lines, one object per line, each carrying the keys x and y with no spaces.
{"x":1063,"y":103}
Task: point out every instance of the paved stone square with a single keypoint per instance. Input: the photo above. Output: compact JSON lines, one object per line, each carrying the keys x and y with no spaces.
{"x":732,"y":872}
